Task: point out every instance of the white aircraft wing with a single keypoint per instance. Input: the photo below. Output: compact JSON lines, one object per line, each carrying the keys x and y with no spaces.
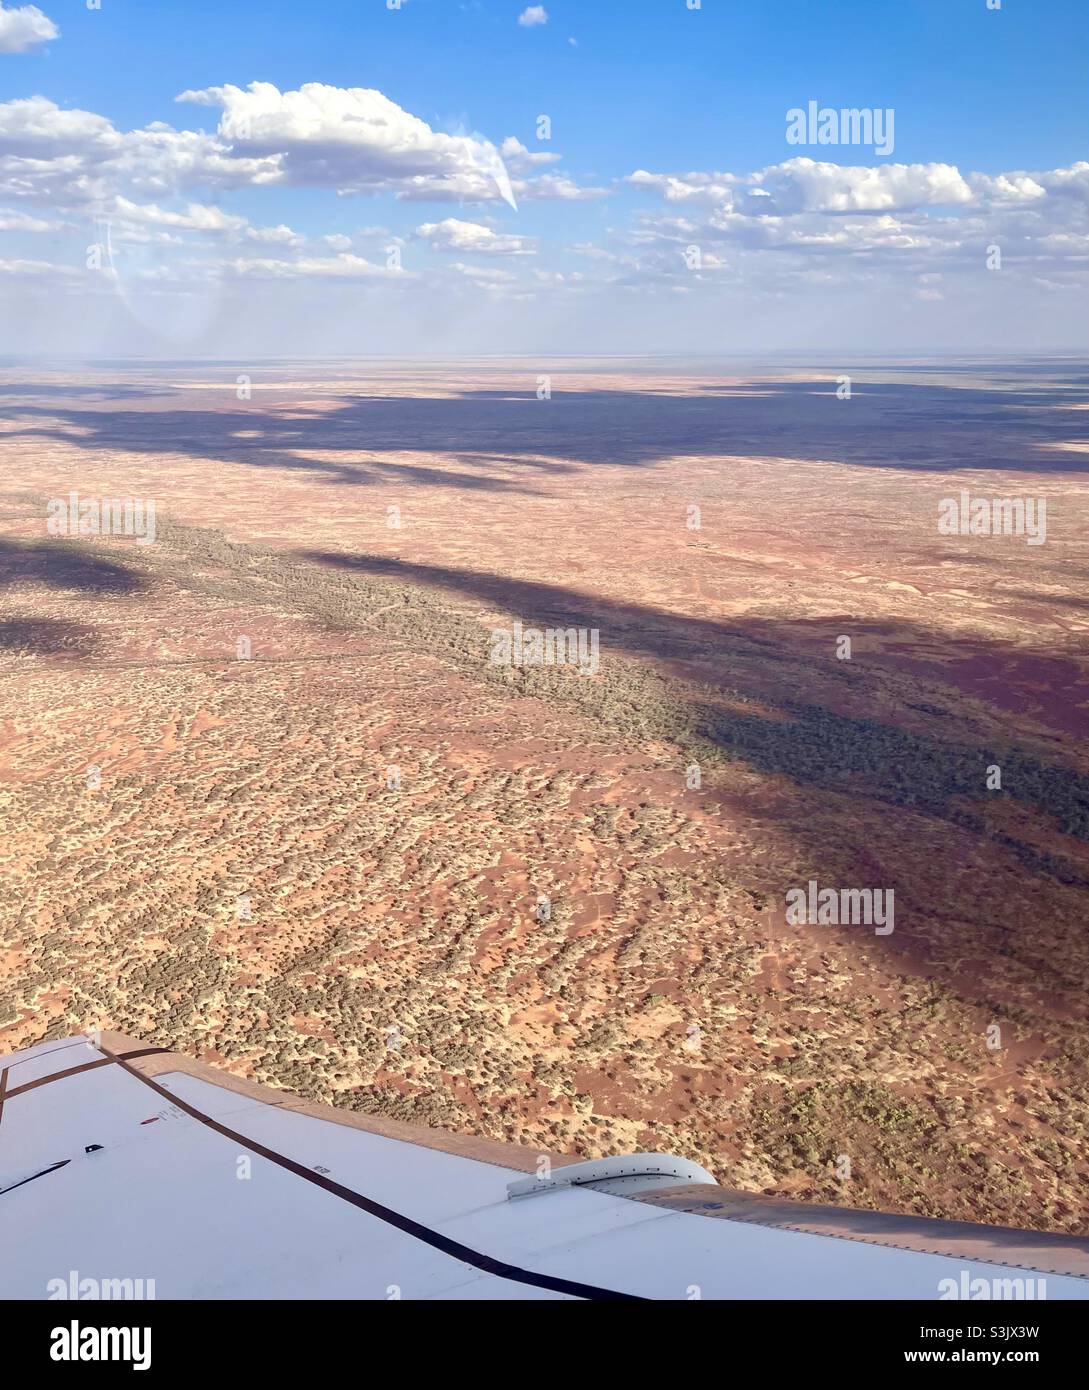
{"x":121,"y":1162}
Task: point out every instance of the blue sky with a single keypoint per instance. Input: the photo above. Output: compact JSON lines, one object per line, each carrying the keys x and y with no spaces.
{"x":650,"y":82}
{"x":629,"y":85}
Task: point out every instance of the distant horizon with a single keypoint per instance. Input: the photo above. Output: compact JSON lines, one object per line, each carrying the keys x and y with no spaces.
{"x":918,"y":356}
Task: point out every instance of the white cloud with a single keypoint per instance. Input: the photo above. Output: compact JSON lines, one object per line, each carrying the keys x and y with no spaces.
{"x":708,"y":189}
{"x":23,"y":222}
{"x":533,"y":15}
{"x":454,"y":235}
{"x":24,"y":27}
{"x":323,"y":267}
{"x":36,"y":269}
{"x":353,"y":139}
{"x":280,"y":235}
{"x":557,"y":186}
{"x":194,"y":217}
{"x":806,"y":185}
{"x":1006,"y":188}
{"x":76,"y":158}
{"x":518,"y":157}
{"x":483,"y":275}
{"x":793,"y":225}
{"x":133,"y":234}
{"x":805,"y":222}
{"x":37,"y":126}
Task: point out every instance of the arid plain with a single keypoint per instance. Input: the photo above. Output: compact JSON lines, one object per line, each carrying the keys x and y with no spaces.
{"x":267,"y":800}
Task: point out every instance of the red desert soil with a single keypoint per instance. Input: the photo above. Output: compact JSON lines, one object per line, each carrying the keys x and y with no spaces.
{"x":266,"y":799}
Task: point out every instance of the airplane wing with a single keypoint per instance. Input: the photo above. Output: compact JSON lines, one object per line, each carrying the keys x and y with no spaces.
{"x":124,"y":1165}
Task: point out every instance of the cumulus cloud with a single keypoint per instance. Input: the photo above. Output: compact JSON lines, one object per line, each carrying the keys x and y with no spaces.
{"x":454,"y":235}
{"x":804,"y":218}
{"x":37,"y":126}
{"x":792,"y":225}
{"x":707,"y":189}
{"x":533,"y":15}
{"x":343,"y":266}
{"x":1006,"y":188}
{"x":807,"y":185}
{"x":280,"y":235}
{"x":76,"y":158}
{"x":353,"y":139}
{"x":22,"y":222}
{"x":24,"y":27}
{"x":518,"y":157}
{"x":800,"y":186}
{"x":557,"y":186}
{"x":194,"y":217}
{"x":202,"y":218}
{"x":804,"y":185}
